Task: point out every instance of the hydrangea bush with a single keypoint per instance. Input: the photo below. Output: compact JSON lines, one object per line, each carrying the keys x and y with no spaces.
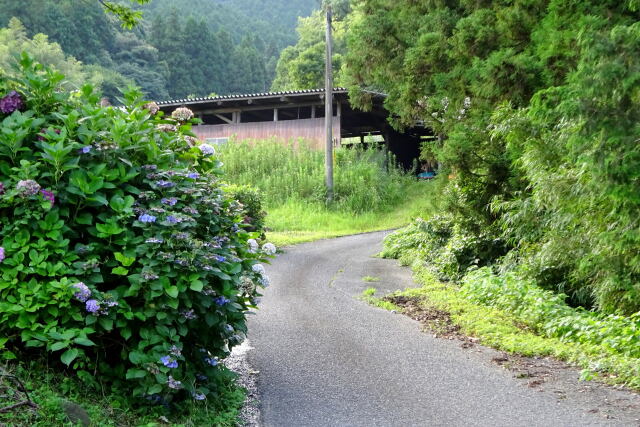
{"x":120,"y":253}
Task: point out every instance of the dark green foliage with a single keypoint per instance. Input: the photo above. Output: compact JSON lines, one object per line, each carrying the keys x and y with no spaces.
{"x":251,"y":201}
{"x":302,"y":66}
{"x":179,"y":47}
{"x":121,"y":253}
{"x":536,"y":104}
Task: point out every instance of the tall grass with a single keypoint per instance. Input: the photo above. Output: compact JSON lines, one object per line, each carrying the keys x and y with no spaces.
{"x":284,"y":172}
{"x":368,"y":194}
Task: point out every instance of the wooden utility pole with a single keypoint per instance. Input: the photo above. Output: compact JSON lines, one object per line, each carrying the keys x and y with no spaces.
{"x":328,"y":110}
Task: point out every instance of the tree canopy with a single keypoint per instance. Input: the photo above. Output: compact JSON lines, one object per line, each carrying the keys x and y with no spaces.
{"x":536,"y":105}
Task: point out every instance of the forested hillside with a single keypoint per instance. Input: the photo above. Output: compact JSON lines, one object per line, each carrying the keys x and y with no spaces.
{"x":181,"y":47}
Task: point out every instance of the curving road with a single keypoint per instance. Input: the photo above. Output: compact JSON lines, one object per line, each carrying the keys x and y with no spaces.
{"x":328,"y":359}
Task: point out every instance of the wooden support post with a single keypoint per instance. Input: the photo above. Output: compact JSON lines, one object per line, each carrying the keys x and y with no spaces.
{"x":313,"y":111}
{"x":275,"y":114}
{"x":328,"y":116}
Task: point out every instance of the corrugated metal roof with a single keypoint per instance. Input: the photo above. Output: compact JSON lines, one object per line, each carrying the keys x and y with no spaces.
{"x":249,"y":96}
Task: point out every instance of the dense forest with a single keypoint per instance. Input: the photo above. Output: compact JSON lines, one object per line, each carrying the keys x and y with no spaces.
{"x":180,"y":48}
{"x":536,"y":105}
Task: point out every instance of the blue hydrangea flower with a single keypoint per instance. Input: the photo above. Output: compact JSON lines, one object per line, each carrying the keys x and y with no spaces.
{"x":220,"y":258}
{"x":169,"y":201}
{"x":92,"y":306}
{"x":147,"y":218}
{"x":86,"y":149}
{"x":169,"y":362}
{"x":164,"y":184}
{"x":154,"y":240}
{"x":213,"y":361}
{"x":221,"y":300}
{"x":199,"y":396}
{"x":172,"y":219}
{"x":193,"y":175}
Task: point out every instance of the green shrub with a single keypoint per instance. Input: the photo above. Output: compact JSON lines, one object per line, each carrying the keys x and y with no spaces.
{"x":448,"y":248}
{"x":251,"y":201}
{"x":121,"y":253}
{"x":547,"y":312}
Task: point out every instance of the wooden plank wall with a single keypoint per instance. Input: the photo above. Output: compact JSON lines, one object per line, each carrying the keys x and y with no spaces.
{"x":311,"y":130}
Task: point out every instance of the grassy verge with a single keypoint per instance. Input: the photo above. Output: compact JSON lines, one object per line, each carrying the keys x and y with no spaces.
{"x":298,"y":221}
{"x":503,"y":330}
{"x":52,"y":391}
{"x":368,"y":195}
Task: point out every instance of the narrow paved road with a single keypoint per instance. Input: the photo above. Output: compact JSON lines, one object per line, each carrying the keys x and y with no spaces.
{"x":328,"y":359}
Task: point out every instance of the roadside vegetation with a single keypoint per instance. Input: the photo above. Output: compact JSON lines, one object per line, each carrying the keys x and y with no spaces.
{"x":126,"y":267}
{"x":370,"y":192}
{"x":536,"y":220}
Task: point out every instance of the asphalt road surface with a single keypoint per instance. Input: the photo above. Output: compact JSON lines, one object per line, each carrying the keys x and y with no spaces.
{"x":326,"y":358}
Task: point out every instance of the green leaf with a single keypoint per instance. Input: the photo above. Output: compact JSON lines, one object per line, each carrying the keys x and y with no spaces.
{"x":84,"y":341}
{"x":172,"y":291}
{"x":59,"y":345}
{"x":120,"y":271}
{"x":69,"y":356}
{"x":196,"y":285}
{"x":135,"y":373}
{"x":137,"y":357}
{"x":124,"y":260}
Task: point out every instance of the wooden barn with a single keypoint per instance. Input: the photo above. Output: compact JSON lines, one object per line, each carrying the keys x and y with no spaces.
{"x":292,"y":115}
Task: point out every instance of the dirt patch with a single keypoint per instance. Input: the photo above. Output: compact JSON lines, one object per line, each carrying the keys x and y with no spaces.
{"x":434,"y":320}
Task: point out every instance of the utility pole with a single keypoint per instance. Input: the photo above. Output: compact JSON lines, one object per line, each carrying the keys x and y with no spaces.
{"x":328,"y":109}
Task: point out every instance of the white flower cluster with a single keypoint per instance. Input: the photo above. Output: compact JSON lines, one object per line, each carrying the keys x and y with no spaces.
{"x":253,"y":245}
{"x":262,"y":275}
{"x":182,"y":114}
{"x":269,"y":248}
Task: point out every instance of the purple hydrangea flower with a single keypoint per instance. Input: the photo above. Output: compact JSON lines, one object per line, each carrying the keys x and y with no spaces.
{"x":150,"y":167}
{"x":92,"y":306}
{"x":175,"y":351}
{"x":11,"y":102}
{"x":169,"y":201}
{"x":172,"y":219}
{"x":199,"y":396}
{"x":164,"y":184}
{"x":48,"y":195}
{"x":189,"y":314}
{"x":28,"y":187}
{"x":2,"y":254}
{"x":147,"y":218}
{"x":169,"y":362}
{"x":83,"y":294}
{"x":86,"y":149}
{"x":207,"y":149}
{"x":220,"y":258}
{"x":193,"y":175}
{"x":174,"y":384}
{"x":148,"y":275}
{"x":221,"y":301}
